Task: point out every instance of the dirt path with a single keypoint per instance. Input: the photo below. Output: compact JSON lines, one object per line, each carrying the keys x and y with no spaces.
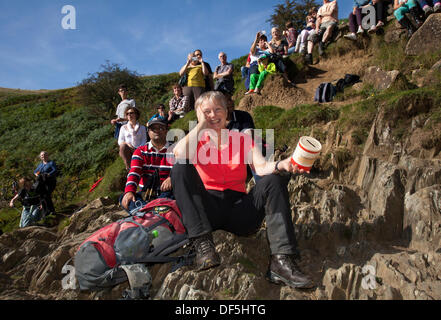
{"x":330,"y":70}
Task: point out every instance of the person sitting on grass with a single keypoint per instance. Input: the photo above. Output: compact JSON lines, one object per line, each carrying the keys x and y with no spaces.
{"x":278,"y":47}
{"x":402,"y":7}
{"x":161,"y":114}
{"x":150,"y":168}
{"x":380,"y":14}
{"x":131,"y":136}
{"x":327,"y":19}
{"x":430,"y":6}
{"x":291,"y":36}
{"x":265,"y":68}
{"x":29,"y":196}
{"x":302,"y":39}
{"x":178,"y":104}
{"x":259,"y":47}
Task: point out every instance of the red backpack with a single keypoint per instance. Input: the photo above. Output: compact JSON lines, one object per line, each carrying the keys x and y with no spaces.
{"x":102,"y":259}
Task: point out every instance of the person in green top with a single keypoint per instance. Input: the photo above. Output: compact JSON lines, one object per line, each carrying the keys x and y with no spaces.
{"x":265,"y":68}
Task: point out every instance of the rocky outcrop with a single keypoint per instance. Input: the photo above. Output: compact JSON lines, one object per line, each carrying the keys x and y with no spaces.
{"x":427,"y":38}
{"x":380,"y":79}
{"x":422,"y":222}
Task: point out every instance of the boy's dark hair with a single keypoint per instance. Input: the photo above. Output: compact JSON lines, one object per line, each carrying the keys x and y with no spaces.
{"x":289,"y":25}
{"x":123,"y":87}
{"x":263,"y":37}
{"x":160,"y":106}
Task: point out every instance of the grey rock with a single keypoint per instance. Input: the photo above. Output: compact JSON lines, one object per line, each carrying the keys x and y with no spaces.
{"x":427,"y":38}
{"x":379,"y":78}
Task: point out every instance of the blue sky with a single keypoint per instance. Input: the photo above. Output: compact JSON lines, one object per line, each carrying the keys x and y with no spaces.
{"x":150,"y":37}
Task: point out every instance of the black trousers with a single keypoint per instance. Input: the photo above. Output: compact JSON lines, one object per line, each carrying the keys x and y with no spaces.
{"x":204,"y":211}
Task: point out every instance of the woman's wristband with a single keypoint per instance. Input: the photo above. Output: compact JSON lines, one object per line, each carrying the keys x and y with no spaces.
{"x":276,"y":168}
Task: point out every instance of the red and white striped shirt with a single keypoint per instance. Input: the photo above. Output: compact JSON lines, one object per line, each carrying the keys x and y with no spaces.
{"x":145,"y":161}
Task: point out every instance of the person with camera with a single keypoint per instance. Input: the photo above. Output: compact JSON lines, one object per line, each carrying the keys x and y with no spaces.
{"x":196,"y":70}
{"x":258,"y":48}
{"x":150,"y":167}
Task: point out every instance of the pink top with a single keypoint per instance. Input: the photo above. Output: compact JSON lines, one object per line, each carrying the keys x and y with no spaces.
{"x":224,"y":168}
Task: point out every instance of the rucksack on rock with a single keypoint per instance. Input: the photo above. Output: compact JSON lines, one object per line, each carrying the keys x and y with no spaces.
{"x":325,"y":92}
{"x":109,"y":256}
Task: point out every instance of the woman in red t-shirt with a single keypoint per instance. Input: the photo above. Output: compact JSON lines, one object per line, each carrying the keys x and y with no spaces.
{"x":209,"y":185}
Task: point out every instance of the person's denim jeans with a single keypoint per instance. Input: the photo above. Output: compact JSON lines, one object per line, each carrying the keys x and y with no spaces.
{"x":291,"y":50}
{"x":29,"y":215}
{"x":401,"y":11}
{"x":246,"y":75}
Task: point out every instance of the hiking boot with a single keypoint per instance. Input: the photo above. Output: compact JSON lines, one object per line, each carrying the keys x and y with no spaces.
{"x":437,"y":7}
{"x":206,"y":255}
{"x":405,"y":22}
{"x":249,"y":91}
{"x":416,"y":16}
{"x":427,"y":11}
{"x":360,"y":30}
{"x":321,"y":48}
{"x":308,"y":58}
{"x":351,"y":36}
{"x":284,"y":270}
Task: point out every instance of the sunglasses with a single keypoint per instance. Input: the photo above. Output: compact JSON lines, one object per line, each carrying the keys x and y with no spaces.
{"x":157,"y":128}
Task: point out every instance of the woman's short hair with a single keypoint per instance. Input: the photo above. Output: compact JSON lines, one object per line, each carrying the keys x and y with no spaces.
{"x":136,"y":110}
{"x":216,"y":97}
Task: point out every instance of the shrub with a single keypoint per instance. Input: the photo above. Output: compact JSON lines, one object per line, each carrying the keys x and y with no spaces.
{"x":102,"y":87}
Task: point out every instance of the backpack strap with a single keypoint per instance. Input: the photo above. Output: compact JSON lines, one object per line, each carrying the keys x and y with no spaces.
{"x":140,"y":281}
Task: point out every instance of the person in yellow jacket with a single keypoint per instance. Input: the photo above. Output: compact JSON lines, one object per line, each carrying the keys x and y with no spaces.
{"x":256,"y":80}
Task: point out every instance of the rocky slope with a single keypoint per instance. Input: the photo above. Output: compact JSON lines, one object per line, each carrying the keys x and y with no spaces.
{"x":368,"y":222}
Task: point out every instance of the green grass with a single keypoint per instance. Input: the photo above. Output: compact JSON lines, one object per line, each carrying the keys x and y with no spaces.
{"x":292,"y":123}
{"x":113,"y":183}
{"x":183,"y":123}
{"x":9,"y":219}
{"x":263,"y":116}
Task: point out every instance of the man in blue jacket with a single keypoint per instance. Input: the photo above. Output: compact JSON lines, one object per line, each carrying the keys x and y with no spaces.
{"x":46,"y":173}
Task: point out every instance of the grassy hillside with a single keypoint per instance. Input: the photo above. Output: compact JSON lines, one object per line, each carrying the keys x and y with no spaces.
{"x":79,"y":136}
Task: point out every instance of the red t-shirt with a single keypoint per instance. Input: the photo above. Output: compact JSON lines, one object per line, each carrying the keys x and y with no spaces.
{"x":224,"y":168}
